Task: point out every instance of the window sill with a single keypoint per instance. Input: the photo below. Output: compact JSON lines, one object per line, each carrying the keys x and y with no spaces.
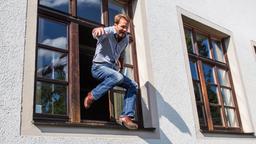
{"x":89,"y":124}
{"x":219,"y":133}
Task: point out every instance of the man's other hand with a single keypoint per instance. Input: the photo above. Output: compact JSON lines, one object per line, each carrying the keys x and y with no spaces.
{"x":99,"y":31}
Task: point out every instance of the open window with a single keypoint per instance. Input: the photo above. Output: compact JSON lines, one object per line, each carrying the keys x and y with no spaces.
{"x":65,"y":49}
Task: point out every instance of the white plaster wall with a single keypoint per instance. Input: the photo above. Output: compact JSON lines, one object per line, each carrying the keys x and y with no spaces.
{"x":169,"y":77}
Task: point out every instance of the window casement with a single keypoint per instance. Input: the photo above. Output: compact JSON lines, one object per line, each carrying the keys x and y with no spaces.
{"x":216,"y":103}
{"x":64,"y":53}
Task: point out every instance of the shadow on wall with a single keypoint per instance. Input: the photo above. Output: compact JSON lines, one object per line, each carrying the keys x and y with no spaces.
{"x":163,"y":110}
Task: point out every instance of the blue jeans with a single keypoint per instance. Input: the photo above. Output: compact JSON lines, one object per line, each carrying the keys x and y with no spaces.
{"x":110,"y":78}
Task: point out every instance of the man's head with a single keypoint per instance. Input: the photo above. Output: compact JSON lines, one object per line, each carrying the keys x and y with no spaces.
{"x":121,"y":24}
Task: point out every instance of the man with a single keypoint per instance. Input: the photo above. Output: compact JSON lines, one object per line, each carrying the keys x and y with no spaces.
{"x":107,"y":64}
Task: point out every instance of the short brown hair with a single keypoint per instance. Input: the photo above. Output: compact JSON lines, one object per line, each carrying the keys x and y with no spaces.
{"x":119,"y":16}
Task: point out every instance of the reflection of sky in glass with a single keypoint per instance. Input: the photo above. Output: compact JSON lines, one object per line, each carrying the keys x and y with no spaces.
{"x":223,"y":77}
{"x":208,"y":73}
{"x":52,"y":65}
{"x":193,"y":70}
{"x":231,"y":117}
{"x":114,"y":9}
{"x":128,"y":55}
{"x":61,"y":5}
{"x":217,"y":51}
{"x":128,"y":72}
{"x":89,"y":9}
{"x":52,"y":33}
{"x":203,"y":45}
{"x":227,"y":97}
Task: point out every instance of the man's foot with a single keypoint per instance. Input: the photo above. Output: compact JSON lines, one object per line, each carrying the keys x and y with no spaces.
{"x":127,"y":122}
{"x":88,"y":100}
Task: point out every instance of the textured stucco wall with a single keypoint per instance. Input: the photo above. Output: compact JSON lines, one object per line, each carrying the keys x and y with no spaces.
{"x":164,"y":45}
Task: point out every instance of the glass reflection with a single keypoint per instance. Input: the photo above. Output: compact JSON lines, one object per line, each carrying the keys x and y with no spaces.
{"x":227,"y":97}
{"x":223,"y":77}
{"x":203,"y":46}
{"x":193,"y":69}
{"x":217,"y":51}
{"x":189,"y":41}
{"x":114,"y":9}
{"x":52,"y":65}
{"x":61,"y":5}
{"x":118,"y":104}
{"x":128,"y":55}
{"x":208,"y":73}
{"x":212,"y":94}
{"x":52,"y":33}
{"x":201,"y":115}
{"x":231,"y":117}
{"x":51,"y":98}
{"x":128,"y":72}
{"x":90,"y":9}
{"x":216,"y":115}
{"x":197,"y":91}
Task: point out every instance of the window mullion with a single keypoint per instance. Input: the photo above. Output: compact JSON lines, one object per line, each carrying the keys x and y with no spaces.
{"x":105,"y":12}
{"x":203,"y":84}
{"x":74,"y":79}
{"x":73,"y":7}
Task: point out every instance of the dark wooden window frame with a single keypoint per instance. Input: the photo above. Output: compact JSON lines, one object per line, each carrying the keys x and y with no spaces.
{"x":210,"y":128}
{"x":73,"y":103}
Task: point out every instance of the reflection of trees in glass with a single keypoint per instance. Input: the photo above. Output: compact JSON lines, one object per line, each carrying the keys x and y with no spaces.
{"x":201,"y":115}
{"x":216,"y":116}
{"x":208,"y":73}
{"x":203,"y":46}
{"x":189,"y":41}
{"x":197,"y":90}
{"x":212,"y":94}
{"x":52,"y":98}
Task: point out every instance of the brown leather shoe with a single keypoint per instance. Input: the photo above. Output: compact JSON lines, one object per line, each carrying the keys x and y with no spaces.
{"x":88,"y":100}
{"x":127,"y":122}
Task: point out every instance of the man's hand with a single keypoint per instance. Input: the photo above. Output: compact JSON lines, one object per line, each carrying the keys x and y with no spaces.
{"x":99,"y":31}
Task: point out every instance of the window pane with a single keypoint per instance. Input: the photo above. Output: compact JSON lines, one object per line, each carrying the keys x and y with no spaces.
{"x":197,"y":90}
{"x":89,"y":9}
{"x":201,"y":115}
{"x":189,"y":41}
{"x":193,"y":69}
{"x":223,"y":77}
{"x":51,"y":98}
{"x":203,"y":46}
{"x":227,"y":97}
{"x":128,"y":72}
{"x":52,"y":65}
{"x":231,"y":117}
{"x":212,"y":92}
{"x":216,"y":115}
{"x":128,"y":55}
{"x":119,"y":104}
{"x":52,"y":33}
{"x":61,"y":5}
{"x":217,"y":51}
{"x":208,"y":74}
{"x":114,"y":8}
